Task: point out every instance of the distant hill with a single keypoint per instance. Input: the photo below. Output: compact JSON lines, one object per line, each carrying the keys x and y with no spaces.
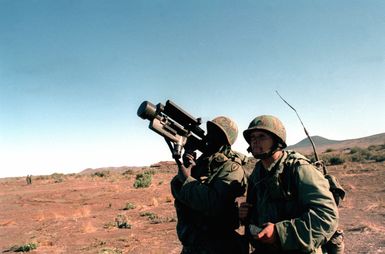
{"x":162,"y":164}
{"x":115,"y":169}
{"x":322,"y":143}
{"x":303,"y":146}
{"x":318,"y":140}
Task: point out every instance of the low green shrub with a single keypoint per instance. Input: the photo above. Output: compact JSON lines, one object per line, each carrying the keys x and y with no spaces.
{"x":358,"y":154}
{"x":149,"y":215}
{"x":110,"y":251}
{"x":155,"y":219}
{"x":24,"y":248}
{"x":129,"y":206}
{"x":150,"y":171}
{"x":121,"y":221}
{"x":336,"y":160}
{"x":57,"y":177}
{"x":376,"y":147}
{"x":128,"y":172}
{"x":378,"y":157}
{"x":101,"y":173}
{"x":357,"y":157}
{"x":143,"y":180}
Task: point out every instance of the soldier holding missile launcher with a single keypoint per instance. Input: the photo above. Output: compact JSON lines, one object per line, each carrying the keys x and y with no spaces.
{"x":204,"y":189}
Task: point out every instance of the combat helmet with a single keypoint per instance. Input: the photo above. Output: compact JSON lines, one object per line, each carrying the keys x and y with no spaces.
{"x":270,"y":124}
{"x":227,"y":126}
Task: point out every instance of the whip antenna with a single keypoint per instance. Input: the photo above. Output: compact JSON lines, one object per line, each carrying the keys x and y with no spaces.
{"x":304,"y":128}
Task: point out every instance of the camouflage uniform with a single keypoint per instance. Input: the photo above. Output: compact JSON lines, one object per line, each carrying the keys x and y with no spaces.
{"x":305,"y":216}
{"x":205,"y":203}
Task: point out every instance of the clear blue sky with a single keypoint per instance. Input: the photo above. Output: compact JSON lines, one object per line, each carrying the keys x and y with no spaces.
{"x":73,"y":73}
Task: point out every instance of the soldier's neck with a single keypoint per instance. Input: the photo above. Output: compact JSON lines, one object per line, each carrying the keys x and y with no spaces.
{"x":274,"y":157}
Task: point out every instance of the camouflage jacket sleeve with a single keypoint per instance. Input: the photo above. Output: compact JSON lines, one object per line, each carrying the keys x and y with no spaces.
{"x":217,"y":193}
{"x":319,"y":221}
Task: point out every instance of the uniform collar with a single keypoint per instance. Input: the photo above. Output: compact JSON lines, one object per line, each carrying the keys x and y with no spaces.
{"x":278,"y":165}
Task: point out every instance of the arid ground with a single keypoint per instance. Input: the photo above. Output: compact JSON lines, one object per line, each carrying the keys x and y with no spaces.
{"x":82,"y":213}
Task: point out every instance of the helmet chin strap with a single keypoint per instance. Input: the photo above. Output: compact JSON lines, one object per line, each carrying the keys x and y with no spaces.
{"x":268,"y":154}
{"x":263,"y":156}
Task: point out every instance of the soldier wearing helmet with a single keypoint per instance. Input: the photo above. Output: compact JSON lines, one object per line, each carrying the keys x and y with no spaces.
{"x":205,"y":191}
{"x":268,"y":125}
{"x":288,"y":208}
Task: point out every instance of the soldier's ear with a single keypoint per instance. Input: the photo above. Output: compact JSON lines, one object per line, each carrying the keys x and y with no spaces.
{"x":249,"y":149}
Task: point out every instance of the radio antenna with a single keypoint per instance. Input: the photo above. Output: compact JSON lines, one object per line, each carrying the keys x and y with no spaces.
{"x":304,"y":128}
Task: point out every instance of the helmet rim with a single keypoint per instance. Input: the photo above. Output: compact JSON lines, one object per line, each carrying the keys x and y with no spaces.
{"x":262,"y":123}
{"x":230,"y":125}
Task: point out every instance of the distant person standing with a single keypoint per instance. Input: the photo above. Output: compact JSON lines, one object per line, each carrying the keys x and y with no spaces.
{"x":289,"y":208}
{"x":29,"y":179}
{"x":205,"y":191}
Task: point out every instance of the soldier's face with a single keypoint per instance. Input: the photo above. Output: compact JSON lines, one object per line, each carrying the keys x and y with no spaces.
{"x":215,"y":139}
{"x":260,"y":142}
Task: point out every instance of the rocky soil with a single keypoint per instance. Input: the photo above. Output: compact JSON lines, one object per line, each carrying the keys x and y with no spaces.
{"x":101,"y":212}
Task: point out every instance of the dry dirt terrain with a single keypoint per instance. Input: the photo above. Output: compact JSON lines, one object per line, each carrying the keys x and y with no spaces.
{"x":80,"y":213}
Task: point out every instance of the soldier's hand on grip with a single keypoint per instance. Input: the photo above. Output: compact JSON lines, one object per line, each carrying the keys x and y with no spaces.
{"x":189,"y":158}
{"x":184,"y":170}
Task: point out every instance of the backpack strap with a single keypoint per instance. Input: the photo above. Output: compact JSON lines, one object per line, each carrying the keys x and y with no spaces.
{"x":287,"y":178}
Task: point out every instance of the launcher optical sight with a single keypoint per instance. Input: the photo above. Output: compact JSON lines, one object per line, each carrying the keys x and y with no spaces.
{"x":179,"y":128}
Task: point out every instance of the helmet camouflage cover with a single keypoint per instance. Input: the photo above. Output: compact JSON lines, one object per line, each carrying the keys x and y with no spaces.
{"x":267,"y":123}
{"x":228,"y":126}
